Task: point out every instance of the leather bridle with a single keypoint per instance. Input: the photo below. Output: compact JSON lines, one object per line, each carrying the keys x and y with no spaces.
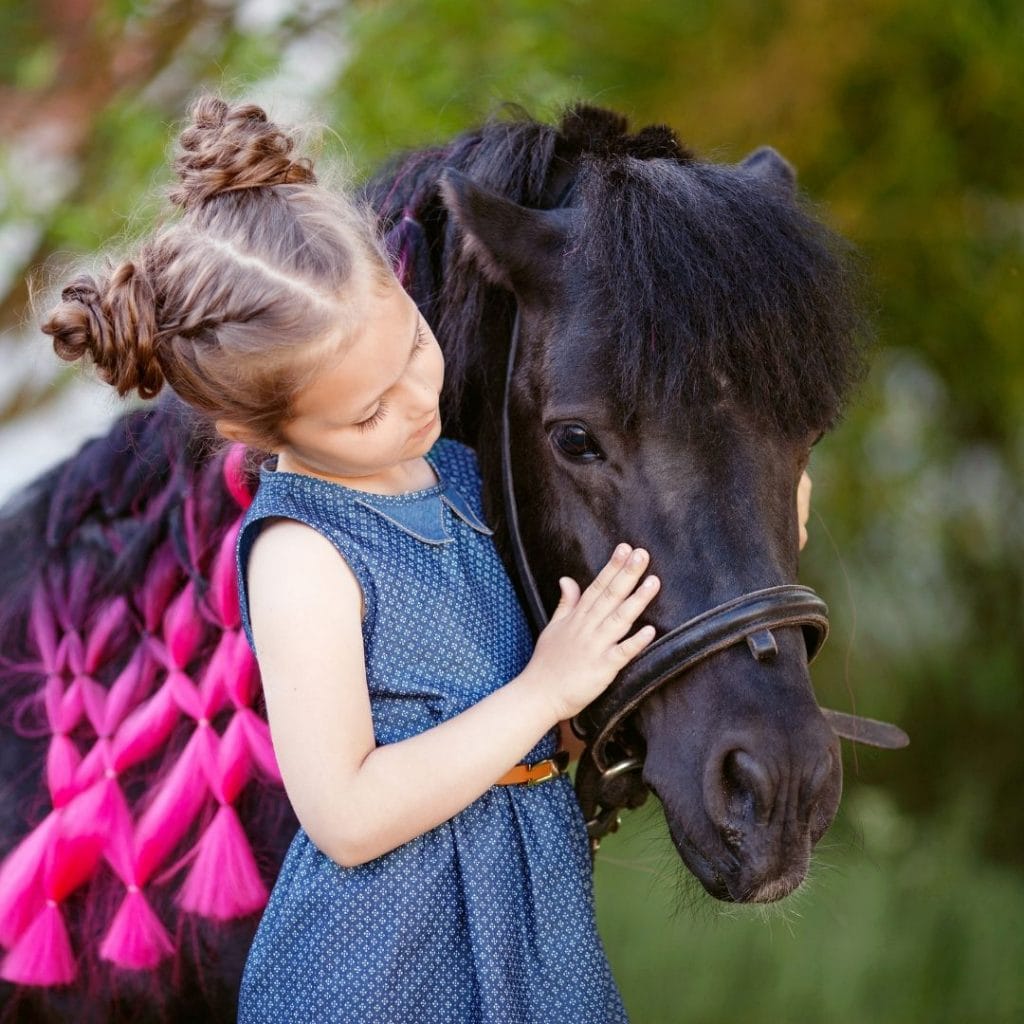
{"x":613,"y":749}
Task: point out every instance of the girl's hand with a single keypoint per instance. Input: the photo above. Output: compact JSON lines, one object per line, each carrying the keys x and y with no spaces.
{"x":803,"y":506}
{"x":582,"y":649}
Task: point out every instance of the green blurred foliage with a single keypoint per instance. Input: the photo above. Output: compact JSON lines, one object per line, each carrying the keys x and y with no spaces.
{"x":897,"y":923}
{"x":903,"y":120}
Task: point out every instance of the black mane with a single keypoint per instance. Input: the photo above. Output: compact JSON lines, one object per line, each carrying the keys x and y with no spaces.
{"x":706,"y":275}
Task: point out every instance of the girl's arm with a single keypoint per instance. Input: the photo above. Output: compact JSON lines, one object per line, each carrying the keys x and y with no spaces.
{"x":357,"y":800}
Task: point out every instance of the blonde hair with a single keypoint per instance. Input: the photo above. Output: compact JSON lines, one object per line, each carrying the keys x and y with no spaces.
{"x":236,"y":302}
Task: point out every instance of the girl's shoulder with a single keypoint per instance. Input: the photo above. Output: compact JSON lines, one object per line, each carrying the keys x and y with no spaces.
{"x":315,"y":504}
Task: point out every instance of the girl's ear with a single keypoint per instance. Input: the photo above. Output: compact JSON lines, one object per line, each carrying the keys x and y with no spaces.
{"x":233,"y":432}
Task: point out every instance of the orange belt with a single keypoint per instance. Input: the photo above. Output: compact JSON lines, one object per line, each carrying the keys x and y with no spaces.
{"x":531,"y":774}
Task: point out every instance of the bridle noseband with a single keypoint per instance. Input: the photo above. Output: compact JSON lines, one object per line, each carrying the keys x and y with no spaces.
{"x":750,"y":618}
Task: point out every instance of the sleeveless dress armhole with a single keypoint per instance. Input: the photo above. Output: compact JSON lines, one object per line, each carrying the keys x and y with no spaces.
{"x":347,"y":551}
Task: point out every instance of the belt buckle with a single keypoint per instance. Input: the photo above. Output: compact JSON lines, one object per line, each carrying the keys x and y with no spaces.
{"x":555,"y":766}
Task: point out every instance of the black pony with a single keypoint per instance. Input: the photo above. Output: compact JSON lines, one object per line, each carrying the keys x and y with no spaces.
{"x":686,"y":332}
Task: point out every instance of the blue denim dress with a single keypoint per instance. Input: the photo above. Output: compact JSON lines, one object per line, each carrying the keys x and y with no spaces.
{"x":488,"y":917}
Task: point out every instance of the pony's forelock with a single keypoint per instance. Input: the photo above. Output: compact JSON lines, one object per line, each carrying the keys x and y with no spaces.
{"x":703,"y":273}
{"x":707,"y":277}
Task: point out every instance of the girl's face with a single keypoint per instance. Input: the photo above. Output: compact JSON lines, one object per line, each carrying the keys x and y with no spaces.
{"x":376,"y":405}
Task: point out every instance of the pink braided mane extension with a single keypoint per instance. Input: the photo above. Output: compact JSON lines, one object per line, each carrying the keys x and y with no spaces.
{"x":100,"y":731}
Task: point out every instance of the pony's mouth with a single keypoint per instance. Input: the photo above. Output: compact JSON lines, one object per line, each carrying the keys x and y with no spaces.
{"x":706,"y":872}
{"x":714,"y":877}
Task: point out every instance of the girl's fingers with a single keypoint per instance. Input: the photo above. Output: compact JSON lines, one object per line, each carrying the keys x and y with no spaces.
{"x":605,"y":576}
{"x":629,"y":648}
{"x":570,"y":591}
{"x":621,"y":618}
{"x":622,"y":583}
{"x":803,"y":506}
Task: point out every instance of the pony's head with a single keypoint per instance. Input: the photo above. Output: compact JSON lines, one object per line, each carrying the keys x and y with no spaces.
{"x":687,"y":332}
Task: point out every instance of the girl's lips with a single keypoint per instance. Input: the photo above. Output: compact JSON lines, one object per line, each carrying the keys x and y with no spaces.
{"x":426,"y":426}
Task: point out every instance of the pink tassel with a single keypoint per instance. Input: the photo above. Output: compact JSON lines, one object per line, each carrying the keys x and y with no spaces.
{"x":223,"y":592}
{"x":241,"y":674}
{"x":94,"y":699}
{"x":163,"y":577}
{"x":183,"y":629}
{"x":112,"y":618}
{"x":73,"y":857}
{"x":223,"y":882}
{"x":174,"y":808}
{"x":21,"y":881}
{"x":158,"y":652}
{"x":234,"y":476}
{"x":43,"y":628}
{"x":127,"y":690}
{"x":136,"y":939}
{"x":231,"y":771}
{"x":63,"y":705}
{"x":99,"y":820}
{"x":211,"y":686}
{"x":185,"y":694}
{"x":70,"y":654}
{"x":93,"y":765}
{"x":257,"y":735}
{"x":43,"y":954}
{"x":62,"y":761}
{"x":145,"y":729}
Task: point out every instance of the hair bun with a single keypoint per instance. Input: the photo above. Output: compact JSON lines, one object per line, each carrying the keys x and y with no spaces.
{"x":114,"y":323}
{"x":227,"y":148}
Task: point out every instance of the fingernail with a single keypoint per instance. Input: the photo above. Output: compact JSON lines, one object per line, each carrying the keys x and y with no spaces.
{"x":621,"y":551}
{"x":638,"y":556}
{"x":650,"y":582}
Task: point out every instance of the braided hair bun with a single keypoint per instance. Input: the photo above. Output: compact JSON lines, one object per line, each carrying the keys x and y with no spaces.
{"x":112,"y":320}
{"x":226,"y":148}
{"x":224,"y":303}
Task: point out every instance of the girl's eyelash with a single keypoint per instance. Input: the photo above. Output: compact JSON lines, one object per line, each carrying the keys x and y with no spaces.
{"x":372,"y":421}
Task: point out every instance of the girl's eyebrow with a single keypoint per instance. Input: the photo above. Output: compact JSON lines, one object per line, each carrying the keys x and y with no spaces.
{"x":362,"y":414}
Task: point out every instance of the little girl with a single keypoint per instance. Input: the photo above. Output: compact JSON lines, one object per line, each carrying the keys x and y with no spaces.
{"x":429,"y":882}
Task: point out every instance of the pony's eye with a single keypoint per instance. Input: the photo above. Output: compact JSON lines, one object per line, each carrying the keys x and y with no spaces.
{"x":576,"y":442}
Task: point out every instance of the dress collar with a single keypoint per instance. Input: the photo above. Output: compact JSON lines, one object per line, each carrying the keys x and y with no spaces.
{"x":422,"y":515}
{"x":418,"y":513}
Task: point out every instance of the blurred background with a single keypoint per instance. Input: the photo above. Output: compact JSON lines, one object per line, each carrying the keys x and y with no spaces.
{"x":904,"y":122}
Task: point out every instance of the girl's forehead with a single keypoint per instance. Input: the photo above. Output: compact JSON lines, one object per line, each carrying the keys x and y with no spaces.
{"x":369,"y":360}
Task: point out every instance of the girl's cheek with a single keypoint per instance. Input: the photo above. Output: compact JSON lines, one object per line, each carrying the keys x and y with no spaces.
{"x":440,"y":367}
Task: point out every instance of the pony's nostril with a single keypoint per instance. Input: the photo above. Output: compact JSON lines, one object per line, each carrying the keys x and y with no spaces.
{"x":818,"y":793}
{"x":739,"y":793}
{"x":819,"y":778}
{"x":748,"y":787}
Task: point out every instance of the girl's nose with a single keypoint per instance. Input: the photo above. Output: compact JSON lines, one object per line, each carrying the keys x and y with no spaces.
{"x":423,"y":390}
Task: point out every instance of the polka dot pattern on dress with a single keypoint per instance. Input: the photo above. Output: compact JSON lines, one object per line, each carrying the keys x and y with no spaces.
{"x":489,"y":917}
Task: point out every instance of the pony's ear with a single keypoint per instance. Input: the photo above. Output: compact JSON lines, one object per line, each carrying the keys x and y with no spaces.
{"x":515,"y":246}
{"x":768,"y":164}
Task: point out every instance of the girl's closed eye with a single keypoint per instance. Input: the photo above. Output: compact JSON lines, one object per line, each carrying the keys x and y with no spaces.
{"x":371,"y":421}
